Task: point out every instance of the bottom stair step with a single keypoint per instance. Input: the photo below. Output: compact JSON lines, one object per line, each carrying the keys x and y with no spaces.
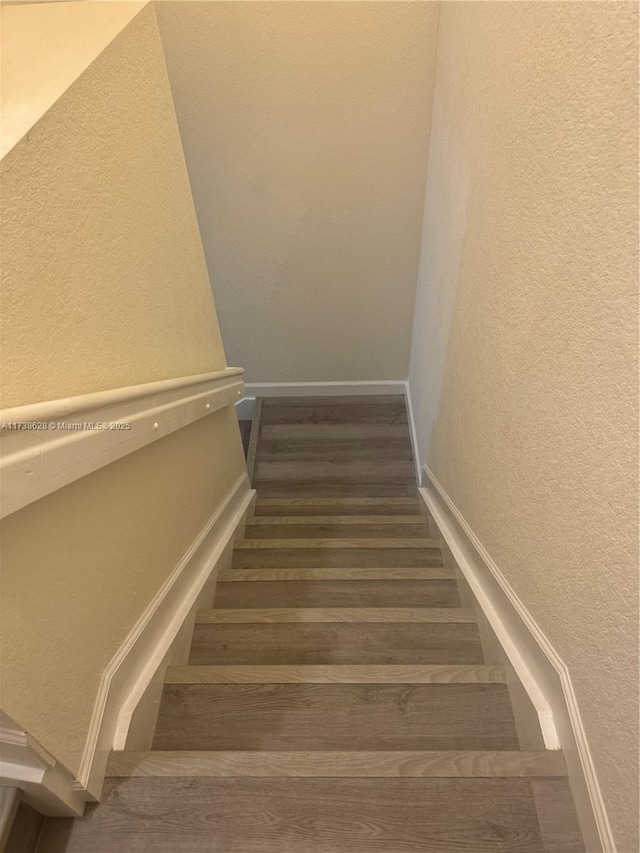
{"x":419,"y":764}
{"x":364,"y":815}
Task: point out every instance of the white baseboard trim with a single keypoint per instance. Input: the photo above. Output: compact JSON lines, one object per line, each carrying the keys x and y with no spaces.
{"x":245,"y":408}
{"x":541,"y":671}
{"x":324,"y":389}
{"x":133,"y":668}
{"x":413,"y":433}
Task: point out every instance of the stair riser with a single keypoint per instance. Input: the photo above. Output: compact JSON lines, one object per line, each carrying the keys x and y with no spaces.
{"x":438,"y":593}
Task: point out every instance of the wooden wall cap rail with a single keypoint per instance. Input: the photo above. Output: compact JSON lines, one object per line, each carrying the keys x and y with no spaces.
{"x":53,"y":409}
{"x":45,"y":446}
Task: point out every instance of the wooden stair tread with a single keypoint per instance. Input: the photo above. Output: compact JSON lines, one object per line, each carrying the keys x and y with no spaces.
{"x":353,"y":470}
{"x":283,"y":544}
{"x":339,"y":431}
{"x":415,"y":764}
{"x":342,"y":593}
{"x":319,"y":530}
{"x":332,"y":486}
{"x":337,"y":614}
{"x":318,"y":505}
{"x":261,"y":520}
{"x":333,"y":411}
{"x":335,"y":716}
{"x":344,"y":502}
{"x":157,"y":814}
{"x":336,"y":450}
{"x":340,"y":673}
{"x":336,"y":643}
{"x":364,"y":501}
{"x":329,"y":574}
{"x":336,"y":558}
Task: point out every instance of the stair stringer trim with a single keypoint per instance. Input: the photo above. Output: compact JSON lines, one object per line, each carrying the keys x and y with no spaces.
{"x":543,"y":674}
{"x":134,"y":676}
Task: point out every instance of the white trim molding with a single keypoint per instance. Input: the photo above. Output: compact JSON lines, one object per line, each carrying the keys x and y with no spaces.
{"x":138,"y":661}
{"x":413,"y":433}
{"x":45,"y":446}
{"x":541,"y":671}
{"x":24,"y":764}
{"x":324,"y":389}
{"x":245,"y":408}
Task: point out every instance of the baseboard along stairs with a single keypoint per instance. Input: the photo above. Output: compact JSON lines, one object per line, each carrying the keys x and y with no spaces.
{"x":337,"y":696}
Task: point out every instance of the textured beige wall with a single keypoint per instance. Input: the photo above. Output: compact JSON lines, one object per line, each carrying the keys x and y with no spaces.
{"x":305,"y":129}
{"x":42,"y":55}
{"x":523,"y":369}
{"x":104,"y":282}
{"x":80,"y":566}
{"x":105,"y":285}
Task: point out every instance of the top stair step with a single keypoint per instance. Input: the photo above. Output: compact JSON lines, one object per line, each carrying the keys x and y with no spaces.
{"x":334,"y":410}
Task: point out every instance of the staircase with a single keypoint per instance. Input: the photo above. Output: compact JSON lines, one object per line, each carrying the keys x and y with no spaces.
{"x":336,"y":697}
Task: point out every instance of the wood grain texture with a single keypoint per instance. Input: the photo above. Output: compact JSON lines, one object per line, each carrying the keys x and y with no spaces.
{"x":343,"y":593}
{"x":333,"y":410}
{"x":337,"y":527}
{"x":383,"y":763}
{"x":385,"y":736}
{"x":275,"y":506}
{"x":339,"y":432}
{"x":336,"y":451}
{"x":334,"y":486}
{"x":367,"y":503}
{"x":332,"y":673}
{"x":375,"y":574}
{"x":556,"y":816}
{"x":337,"y":642}
{"x":327,"y":520}
{"x":335,"y":558}
{"x":337,"y":614}
{"x":324,"y":544}
{"x":335,"y":716}
{"x":302,"y":815}
{"x":353,"y":471}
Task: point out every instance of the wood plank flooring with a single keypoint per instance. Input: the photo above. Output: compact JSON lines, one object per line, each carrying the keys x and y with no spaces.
{"x":331,"y":673}
{"x":312,"y":717}
{"x":338,"y":593}
{"x":306,"y":815}
{"x":336,"y":642}
{"x":336,"y":697}
{"x":334,"y":446}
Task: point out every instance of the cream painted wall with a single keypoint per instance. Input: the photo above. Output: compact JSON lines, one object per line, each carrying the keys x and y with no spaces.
{"x":105,"y":285}
{"x":80,"y":566}
{"x":305,"y":129}
{"x":104,"y":282}
{"x":524,"y":356}
{"x":42,"y":55}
